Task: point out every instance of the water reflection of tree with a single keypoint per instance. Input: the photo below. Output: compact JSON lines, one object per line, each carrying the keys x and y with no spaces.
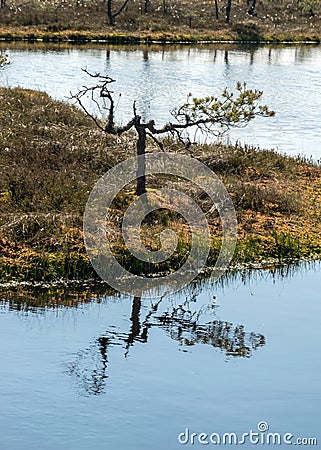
{"x":182,"y":323}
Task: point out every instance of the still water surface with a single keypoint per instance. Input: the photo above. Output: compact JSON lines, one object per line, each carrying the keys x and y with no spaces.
{"x":160,"y":78}
{"x":130,"y":374}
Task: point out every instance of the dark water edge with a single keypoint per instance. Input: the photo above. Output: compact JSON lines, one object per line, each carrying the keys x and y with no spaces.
{"x":24,"y":294}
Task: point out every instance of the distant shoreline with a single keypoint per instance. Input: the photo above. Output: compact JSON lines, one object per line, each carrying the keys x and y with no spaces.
{"x":224,"y":36}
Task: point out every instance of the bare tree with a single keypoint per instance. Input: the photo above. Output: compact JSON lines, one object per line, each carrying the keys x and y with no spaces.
{"x":210,"y":115}
{"x":216,"y":10}
{"x":112,"y":15}
{"x":3,"y":3}
{"x":252,"y":5}
{"x":228,"y":11}
{"x":147,"y":6}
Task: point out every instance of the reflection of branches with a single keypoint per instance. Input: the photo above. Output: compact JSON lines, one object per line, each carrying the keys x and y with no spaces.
{"x":90,"y":367}
{"x":180,"y":323}
{"x":224,"y":335}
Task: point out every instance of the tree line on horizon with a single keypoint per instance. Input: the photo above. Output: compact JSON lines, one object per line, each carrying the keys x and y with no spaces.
{"x":218,"y":9}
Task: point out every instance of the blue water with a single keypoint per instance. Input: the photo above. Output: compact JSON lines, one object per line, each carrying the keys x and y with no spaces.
{"x":160,"y":78}
{"x":105,"y":375}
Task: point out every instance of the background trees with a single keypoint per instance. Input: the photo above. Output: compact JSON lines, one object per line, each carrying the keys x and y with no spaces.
{"x":155,"y":15}
{"x":217,"y":16}
{"x":147,"y":5}
{"x":228,"y":11}
{"x":251,"y":4}
{"x":251,"y":9}
{"x":112,"y":15}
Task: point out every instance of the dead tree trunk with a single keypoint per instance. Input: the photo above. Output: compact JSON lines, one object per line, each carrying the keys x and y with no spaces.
{"x":164,"y":7}
{"x":216,"y":10}
{"x":110,"y":15}
{"x":141,"y":149}
{"x":251,"y":4}
{"x":147,"y":6}
{"x":228,"y":11}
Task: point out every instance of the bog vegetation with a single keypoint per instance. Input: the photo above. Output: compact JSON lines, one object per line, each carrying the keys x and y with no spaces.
{"x":226,"y":19}
{"x":51,"y":155}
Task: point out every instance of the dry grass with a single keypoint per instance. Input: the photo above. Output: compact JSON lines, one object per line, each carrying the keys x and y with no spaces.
{"x":186,"y":19}
{"x":51,"y":155}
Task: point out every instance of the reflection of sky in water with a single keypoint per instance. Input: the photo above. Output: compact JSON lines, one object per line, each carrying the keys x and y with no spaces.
{"x":160,"y":80}
{"x":161,"y":386}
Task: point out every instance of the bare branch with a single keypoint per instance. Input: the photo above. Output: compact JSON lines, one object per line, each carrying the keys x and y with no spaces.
{"x":104,"y":78}
{"x":160,"y":144}
{"x":103,"y":91}
{"x":77,"y":98}
{"x":134,"y":108}
{"x":127,"y":127}
{"x":121,"y":9}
